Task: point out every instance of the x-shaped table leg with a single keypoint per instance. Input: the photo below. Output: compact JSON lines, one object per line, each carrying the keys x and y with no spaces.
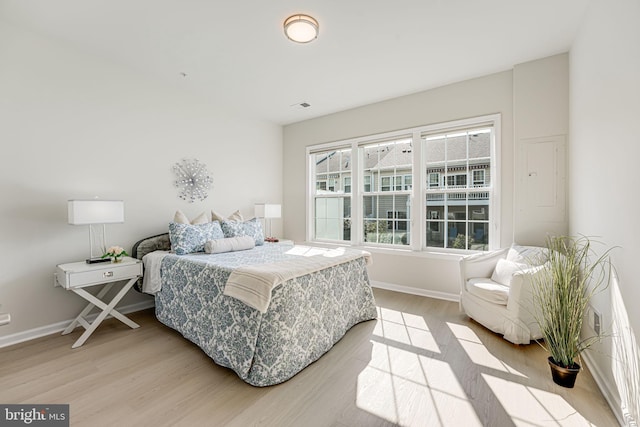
{"x":94,"y":301}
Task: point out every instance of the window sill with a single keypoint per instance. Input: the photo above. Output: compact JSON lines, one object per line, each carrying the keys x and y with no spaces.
{"x":454,"y":255}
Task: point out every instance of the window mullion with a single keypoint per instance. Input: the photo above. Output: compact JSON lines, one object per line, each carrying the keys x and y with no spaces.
{"x":418,"y":194}
{"x":356,"y":195}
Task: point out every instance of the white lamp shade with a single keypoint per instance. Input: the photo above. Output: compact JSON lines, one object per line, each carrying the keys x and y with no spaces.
{"x":82,"y":212}
{"x":264,"y":210}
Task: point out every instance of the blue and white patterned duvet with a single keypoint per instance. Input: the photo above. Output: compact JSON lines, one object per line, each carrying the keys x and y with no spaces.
{"x":306,"y":317}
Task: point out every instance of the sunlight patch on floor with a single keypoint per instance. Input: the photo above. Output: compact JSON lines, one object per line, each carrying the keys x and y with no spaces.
{"x":477,"y":352}
{"x":399,"y":386}
{"x":530,"y":406}
{"x":405,"y":328}
{"x":403,"y":382}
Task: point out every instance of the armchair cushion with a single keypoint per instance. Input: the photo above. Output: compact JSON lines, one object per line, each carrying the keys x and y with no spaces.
{"x":488,"y":290}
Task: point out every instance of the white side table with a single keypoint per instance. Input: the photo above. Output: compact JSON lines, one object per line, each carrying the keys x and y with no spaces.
{"x":77,"y":275}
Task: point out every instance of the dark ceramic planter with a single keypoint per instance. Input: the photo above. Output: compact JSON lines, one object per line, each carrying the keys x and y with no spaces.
{"x":565,"y":377}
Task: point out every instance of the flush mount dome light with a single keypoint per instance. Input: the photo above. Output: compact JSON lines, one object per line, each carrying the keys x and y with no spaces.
{"x":301,"y":28}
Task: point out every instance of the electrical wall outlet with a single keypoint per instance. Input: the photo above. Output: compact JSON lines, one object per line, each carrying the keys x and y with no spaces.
{"x":5,"y":319}
{"x":55,"y":280}
{"x":597,"y":319}
{"x":594,"y":319}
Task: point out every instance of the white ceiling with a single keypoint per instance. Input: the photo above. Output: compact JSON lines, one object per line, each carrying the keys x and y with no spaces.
{"x":235,"y":52}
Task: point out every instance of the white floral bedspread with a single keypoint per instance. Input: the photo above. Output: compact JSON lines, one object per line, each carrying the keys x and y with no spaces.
{"x":307,"y":315}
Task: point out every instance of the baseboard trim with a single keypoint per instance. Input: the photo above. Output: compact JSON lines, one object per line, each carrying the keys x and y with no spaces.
{"x":42,"y":331}
{"x":415,"y":291}
{"x":606,"y":389}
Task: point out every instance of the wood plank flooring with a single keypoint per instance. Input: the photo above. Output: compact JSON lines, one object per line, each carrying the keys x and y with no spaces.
{"x":422,"y":363}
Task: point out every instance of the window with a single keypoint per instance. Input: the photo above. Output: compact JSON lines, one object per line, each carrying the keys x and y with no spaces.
{"x":369,"y":190}
{"x":478,"y":178}
{"x":347,"y":184}
{"x":408,"y":179}
{"x":458,"y":180}
{"x":461,"y":212}
{"x":367,"y":183}
{"x":400,"y":182}
{"x":332,"y":202}
{"x":390,"y":161}
{"x":397,"y":225}
{"x":385,"y":184}
{"x":434,"y":179}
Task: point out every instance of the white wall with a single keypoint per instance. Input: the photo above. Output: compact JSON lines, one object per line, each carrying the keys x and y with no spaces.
{"x":75,"y":126}
{"x":541,"y":127}
{"x":539,"y":90}
{"x":604,"y":202}
{"x":438,"y":275}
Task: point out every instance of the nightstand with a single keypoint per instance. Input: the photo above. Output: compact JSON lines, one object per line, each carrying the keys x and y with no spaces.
{"x":76,"y":276}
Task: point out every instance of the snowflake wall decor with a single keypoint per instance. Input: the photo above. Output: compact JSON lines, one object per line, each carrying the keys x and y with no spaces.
{"x":193,"y":180}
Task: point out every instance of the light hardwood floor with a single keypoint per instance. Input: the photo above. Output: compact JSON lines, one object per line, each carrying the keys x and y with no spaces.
{"x":422,"y":363}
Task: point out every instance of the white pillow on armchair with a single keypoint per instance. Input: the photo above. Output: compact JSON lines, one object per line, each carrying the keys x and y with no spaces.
{"x":505,"y":270}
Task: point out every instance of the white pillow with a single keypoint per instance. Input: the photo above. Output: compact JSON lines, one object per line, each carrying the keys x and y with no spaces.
{"x":181,"y":218}
{"x":530,"y":255}
{"x":504,"y":271}
{"x":236,"y":216}
{"x":229,"y":244}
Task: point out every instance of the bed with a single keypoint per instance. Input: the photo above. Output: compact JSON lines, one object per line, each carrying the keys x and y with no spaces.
{"x":304,"y":317}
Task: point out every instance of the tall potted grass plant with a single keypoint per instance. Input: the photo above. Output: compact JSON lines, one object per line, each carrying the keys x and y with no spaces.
{"x":571,"y":275}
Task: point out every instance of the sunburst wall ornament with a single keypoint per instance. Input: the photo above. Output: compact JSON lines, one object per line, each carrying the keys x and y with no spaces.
{"x":193,"y":180}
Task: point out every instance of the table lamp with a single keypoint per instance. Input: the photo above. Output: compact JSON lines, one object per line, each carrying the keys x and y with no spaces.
{"x":268,"y":212}
{"x":95,"y":212}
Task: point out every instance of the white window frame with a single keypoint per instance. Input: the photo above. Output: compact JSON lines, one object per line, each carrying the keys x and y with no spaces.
{"x":367,"y":182}
{"x":437,"y":176}
{"x":312,"y":195}
{"x":346,"y":183}
{"x":420,"y":183}
{"x":473,"y":177}
{"x":389,"y":186}
{"x":455,"y":180}
{"x":394,"y":180}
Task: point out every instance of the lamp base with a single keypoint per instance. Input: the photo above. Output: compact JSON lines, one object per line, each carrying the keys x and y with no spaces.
{"x":97,"y":260}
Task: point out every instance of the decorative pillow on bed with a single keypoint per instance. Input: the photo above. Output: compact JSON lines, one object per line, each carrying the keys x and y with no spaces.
{"x":187,"y":238}
{"x":181,"y":218}
{"x":229,"y":244}
{"x":252,"y":228}
{"x":236,"y":216}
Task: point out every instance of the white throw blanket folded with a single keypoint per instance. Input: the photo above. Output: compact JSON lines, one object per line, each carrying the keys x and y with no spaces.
{"x":253,"y":284}
{"x":151,"y":282}
{"x":229,"y":244}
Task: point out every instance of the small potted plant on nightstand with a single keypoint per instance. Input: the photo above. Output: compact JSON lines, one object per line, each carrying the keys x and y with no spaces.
{"x":572,"y":274}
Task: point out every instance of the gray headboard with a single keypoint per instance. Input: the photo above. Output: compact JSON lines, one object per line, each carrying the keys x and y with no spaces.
{"x":159,"y":242}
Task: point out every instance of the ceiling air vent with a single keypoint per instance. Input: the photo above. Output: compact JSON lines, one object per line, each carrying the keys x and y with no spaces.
{"x":301,"y":105}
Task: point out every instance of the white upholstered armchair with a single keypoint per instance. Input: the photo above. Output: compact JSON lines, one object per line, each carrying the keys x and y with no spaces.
{"x":496,"y":291}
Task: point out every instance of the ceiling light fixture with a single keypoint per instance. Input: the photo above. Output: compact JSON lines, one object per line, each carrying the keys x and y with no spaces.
{"x":301,"y":28}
